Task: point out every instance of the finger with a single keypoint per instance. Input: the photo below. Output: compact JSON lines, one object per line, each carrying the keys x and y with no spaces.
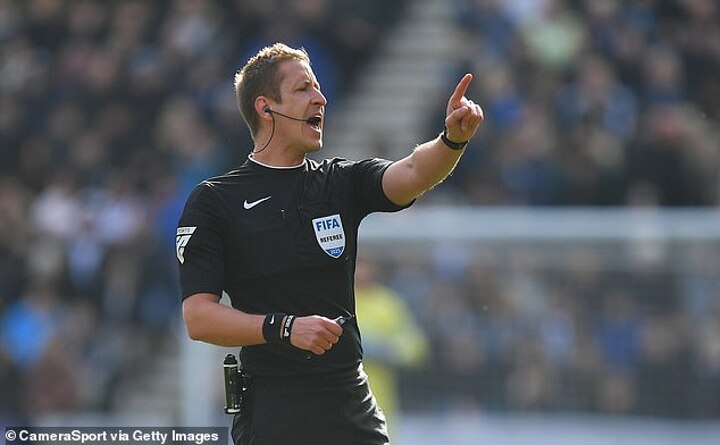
{"x":476,"y":118}
{"x":461,"y":88}
{"x":480,"y":113}
{"x":334,"y":327}
{"x":465,"y":121}
{"x":329,"y":337}
{"x":454,"y":118}
{"x":471,"y":118}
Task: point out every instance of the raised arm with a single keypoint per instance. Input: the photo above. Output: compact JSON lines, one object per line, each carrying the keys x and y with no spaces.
{"x":433,"y":161}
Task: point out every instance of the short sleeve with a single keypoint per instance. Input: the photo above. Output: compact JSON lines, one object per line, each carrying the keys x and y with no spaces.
{"x":198,"y":244}
{"x":367,"y":187}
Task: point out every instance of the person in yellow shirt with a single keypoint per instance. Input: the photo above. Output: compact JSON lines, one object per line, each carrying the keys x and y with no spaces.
{"x":391,"y":336}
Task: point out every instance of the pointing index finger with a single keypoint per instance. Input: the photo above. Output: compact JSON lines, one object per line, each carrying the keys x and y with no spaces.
{"x":461,"y":88}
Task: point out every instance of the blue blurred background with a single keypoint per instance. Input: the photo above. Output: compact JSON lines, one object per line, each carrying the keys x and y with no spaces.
{"x":111,"y":111}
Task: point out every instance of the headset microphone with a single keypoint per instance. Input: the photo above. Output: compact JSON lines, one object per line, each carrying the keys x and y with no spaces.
{"x":309,"y":120}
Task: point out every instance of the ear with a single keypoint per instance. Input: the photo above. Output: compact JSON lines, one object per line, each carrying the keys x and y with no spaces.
{"x":262,"y":107}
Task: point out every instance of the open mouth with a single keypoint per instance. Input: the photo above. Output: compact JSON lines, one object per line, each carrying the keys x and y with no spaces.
{"x":315,"y":122}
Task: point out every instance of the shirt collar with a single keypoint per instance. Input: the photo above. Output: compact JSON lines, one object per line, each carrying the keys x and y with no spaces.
{"x":274,"y":167}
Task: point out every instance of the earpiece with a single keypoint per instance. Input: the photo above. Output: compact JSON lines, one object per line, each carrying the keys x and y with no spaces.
{"x":267,"y":109}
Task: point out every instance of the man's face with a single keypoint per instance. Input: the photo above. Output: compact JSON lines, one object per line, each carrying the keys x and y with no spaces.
{"x":302,"y":99}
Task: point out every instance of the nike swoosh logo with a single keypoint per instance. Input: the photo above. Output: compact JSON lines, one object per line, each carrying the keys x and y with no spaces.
{"x":250,"y":205}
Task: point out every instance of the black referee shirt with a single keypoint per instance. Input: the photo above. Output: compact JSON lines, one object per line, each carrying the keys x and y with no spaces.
{"x":283,"y":240}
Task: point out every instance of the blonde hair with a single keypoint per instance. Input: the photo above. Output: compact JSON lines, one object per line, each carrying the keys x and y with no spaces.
{"x":261,"y":76}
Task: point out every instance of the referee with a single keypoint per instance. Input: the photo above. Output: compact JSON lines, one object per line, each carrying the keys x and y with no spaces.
{"x":279,"y":236}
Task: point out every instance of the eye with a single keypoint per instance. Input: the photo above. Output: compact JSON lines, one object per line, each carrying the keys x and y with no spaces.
{"x":305,"y":86}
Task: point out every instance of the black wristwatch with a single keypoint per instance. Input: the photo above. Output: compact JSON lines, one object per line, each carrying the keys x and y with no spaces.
{"x":450,"y":144}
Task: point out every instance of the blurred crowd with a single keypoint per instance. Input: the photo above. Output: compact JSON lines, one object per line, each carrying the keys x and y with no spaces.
{"x":621,"y":327}
{"x":111,"y":111}
{"x":591,"y":102}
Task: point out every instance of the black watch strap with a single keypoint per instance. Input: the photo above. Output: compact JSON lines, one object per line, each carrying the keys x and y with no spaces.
{"x":450,"y":144}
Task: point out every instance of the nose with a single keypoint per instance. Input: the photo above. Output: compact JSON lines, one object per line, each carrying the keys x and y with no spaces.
{"x":320,"y":98}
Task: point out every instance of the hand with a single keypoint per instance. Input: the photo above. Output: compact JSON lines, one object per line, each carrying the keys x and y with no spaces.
{"x":463,"y":116}
{"x":315,"y":334}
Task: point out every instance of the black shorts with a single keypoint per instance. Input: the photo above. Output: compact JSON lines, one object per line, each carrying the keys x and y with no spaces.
{"x":311,"y":411}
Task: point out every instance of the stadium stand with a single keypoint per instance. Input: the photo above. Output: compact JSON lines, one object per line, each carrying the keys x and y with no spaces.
{"x":111,"y":111}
